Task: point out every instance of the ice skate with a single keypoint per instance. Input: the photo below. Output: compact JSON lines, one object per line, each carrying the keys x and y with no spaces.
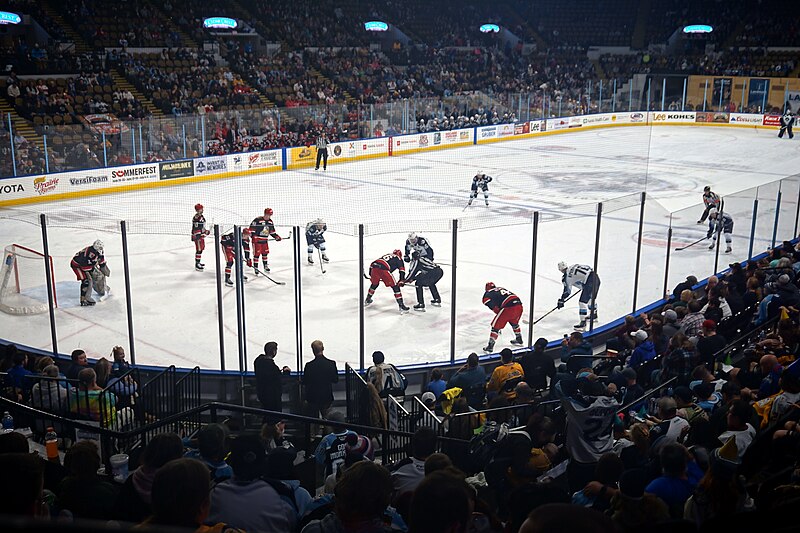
{"x":517,"y":340}
{"x":87,"y":302}
{"x":228,"y":281}
{"x":367,"y":301}
{"x":420,"y":308}
{"x":310,"y":260}
{"x":325,"y":259}
{"x":403,"y":308}
{"x":728,"y":250}
{"x":436,"y":302}
{"x":581,"y":325}
{"x":199,"y":266}
{"x":489,"y":347}
{"x":712,"y":246}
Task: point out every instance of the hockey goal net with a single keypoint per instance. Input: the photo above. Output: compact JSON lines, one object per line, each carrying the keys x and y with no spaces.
{"x":23,"y":283}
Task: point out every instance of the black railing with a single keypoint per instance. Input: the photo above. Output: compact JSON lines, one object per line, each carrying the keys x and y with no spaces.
{"x":356,"y":396}
{"x":158,"y":396}
{"x":187,"y":397}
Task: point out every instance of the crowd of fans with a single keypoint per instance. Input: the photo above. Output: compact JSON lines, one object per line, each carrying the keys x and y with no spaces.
{"x":670,"y":426}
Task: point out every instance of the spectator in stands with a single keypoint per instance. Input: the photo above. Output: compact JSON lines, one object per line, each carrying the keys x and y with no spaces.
{"x":597,"y":493}
{"x":631,"y":389}
{"x":119,"y":364}
{"x":269,"y":387}
{"x":16,"y":377}
{"x":575,"y":345}
{"x":691,"y":324}
{"x":442,"y":502}
{"x":631,"y":508}
{"x":362,"y":495}
{"x":471,"y":379}
{"x":707,"y":397}
{"x":739,"y":415}
{"x":686,"y":297}
{"x":505,"y":377}
{"x":670,"y":327}
{"x":790,"y":392}
{"x":82,"y":492}
{"x":319,"y":376}
{"x":718,"y":422}
{"x":668,"y":427}
{"x":679,"y":478}
{"x":248,"y":500}
{"x":211,"y":451}
{"x":622,"y":339}
{"x":679,"y":361}
{"x":79,"y":362}
{"x":437,"y":385}
{"x":181,"y":497}
{"x":690,"y":282}
{"x":385,"y":377}
{"x":21,"y":491}
{"x":409,"y":472}
{"x":588,"y":437}
{"x":645,"y":349}
{"x":134,"y":502}
{"x":537,"y":366}
{"x":102,"y":369}
{"x":710,"y":344}
{"x":49,"y":394}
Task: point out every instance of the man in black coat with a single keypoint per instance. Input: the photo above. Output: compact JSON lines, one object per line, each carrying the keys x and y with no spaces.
{"x":268,"y":378}
{"x":538,"y":366}
{"x":319,"y":376}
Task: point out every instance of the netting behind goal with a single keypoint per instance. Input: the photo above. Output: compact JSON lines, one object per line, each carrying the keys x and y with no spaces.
{"x":23,"y":283}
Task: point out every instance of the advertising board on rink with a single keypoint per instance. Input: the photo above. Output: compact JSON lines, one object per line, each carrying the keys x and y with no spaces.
{"x":672,"y":116}
{"x":750,"y":119}
{"x":262,"y":160}
{"x":772,"y":120}
{"x":211,"y":165}
{"x":176,"y":169}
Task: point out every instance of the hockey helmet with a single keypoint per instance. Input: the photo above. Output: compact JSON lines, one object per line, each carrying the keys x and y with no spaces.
{"x":412,"y":238}
{"x":198,"y":207}
{"x":489,"y":286}
{"x":712,"y":213}
{"x":319,"y":222}
{"x":707,"y":188}
{"x":98,"y":245}
{"x":562,"y":266}
{"x":268,"y":212}
{"x":398,"y":253}
{"x":246,"y":231}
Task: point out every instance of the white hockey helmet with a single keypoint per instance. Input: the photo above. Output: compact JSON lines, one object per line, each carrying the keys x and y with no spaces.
{"x":712,"y":213}
{"x":562,"y":266}
{"x":98,"y":245}
{"x":412,"y":238}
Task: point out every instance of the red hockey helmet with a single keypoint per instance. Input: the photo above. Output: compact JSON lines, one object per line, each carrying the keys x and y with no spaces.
{"x":268,"y":212}
{"x":246,"y":231}
{"x":490,"y":286}
{"x":398,"y":253}
{"x":198,"y":207}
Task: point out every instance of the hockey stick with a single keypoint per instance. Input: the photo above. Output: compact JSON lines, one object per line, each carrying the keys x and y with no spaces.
{"x":550,"y":311}
{"x":319,"y":255}
{"x":692,"y":244}
{"x":269,"y":278}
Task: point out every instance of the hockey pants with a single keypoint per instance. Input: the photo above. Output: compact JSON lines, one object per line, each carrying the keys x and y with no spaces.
{"x":588,"y":294}
{"x":786,"y":129}
{"x":429,"y":279}
{"x":322,"y":154}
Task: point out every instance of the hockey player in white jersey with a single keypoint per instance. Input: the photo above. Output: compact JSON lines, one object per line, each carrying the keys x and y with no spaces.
{"x":719,"y":223}
{"x":415,"y":243}
{"x":585,"y":279}
{"x":480,"y":181}
{"x":315,"y":239}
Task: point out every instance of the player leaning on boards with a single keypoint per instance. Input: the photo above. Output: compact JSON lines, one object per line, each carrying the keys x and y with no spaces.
{"x":228,"y":243}
{"x":316,"y":239}
{"x":507,"y":308}
{"x":719,"y":223}
{"x":417,"y":244}
{"x":585,"y":279}
{"x":199,"y":233}
{"x":261,"y":229}
{"x":381,"y":270}
{"x":90,"y":268}
{"x":480,"y":181}
{"x":711,"y":201}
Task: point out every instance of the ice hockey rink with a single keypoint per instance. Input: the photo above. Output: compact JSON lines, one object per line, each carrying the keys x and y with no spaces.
{"x":561,"y":176}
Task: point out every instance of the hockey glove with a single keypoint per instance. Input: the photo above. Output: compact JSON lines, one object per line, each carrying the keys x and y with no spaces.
{"x":249,"y":262}
{"x":709,"y":234}
{"x":277,"y":237}
{"x":407,"y":259}
{"x":560,"y":303}
{"x":105,"y":270}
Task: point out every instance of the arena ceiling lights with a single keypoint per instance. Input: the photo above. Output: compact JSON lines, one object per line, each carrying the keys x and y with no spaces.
{"x":9,"y":18}
{"x":376,"y":25}
{"x":490,"y":28}
{"x":698,"y":28}
{"x":224,"y":23}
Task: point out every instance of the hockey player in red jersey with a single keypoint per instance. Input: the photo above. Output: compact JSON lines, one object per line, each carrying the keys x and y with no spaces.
{"x":199,"y":233}
{"x":261,"y":229}
{"x":381,"y":271}
{"x":507,"y":308}
{"x":228,"y":243}
{"x":90,"y":268}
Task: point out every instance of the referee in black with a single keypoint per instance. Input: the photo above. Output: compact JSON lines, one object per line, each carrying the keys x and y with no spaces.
{"x":322,"y":150}
{"x":424,"y":273}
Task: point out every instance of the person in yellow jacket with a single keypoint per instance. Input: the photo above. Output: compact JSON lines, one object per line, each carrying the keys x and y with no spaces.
{"x":506,"y":376}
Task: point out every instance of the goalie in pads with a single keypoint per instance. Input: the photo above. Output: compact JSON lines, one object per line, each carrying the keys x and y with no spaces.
{"x":91,"y":270}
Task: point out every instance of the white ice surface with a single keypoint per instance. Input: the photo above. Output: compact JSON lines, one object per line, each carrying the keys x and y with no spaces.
{"x":562,"y":176}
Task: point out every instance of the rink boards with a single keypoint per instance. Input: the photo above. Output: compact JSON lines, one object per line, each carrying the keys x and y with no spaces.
{"x":77,"y":184}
